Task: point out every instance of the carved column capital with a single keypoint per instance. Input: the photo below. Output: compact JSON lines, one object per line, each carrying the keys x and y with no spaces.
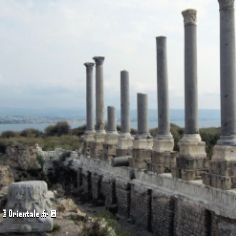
{"x":99,"y":60}
{"x":226,"y":4}
{"x":190,"y":16}
{"x":89,"y":64}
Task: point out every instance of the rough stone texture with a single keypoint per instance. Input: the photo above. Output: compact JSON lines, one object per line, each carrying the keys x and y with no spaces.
{"x":123,"y":197}
{"x":141,"y":159}
{"x":97,"y":193}
{"x":6,"y":176}
{"x":163,"y":211}
{"x":96,"y":150}
{"x":163,"y":162}
{"x":192,"y":162}
{"x":22,"y":157}
{"x":109,"y":191}
{"x":140,"y":208}
{"x":110,"y":145}
{"x":87,"y":185}
{"x":190,"y":219}
{"x":27,"y":196}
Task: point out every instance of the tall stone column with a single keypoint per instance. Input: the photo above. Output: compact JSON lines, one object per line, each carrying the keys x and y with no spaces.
{"x":99,"y":95}
{"x":89,"y":133}
{"x":125,"y":141}
{"x":89,"y":98}
{"x":143,"y":141}
{"x":192,"y":156}
{"x":100,"y":126}
{"x":111,"y":138}
{"x":222,"y":173}
{"x":164,"y":140}
{"x":163,"y":157}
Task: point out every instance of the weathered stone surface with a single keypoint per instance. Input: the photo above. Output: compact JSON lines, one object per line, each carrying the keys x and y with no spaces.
{"x":140,"y":213}
{"x":163,"y":211}
{"x":123,"y":197}
{"x":190,"y":219}
{"x":141,"y":159}
{"x":27,"y":196}
{"x":163,"y":162}
{"x":23,"y":157}
{"x":6,"y":176}
{"x":192,"y":161}
{"x":97,"y":192}
{"x":222,"y":171}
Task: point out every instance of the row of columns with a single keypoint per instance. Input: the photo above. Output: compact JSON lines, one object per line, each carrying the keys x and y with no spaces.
{"x":191,"y":161}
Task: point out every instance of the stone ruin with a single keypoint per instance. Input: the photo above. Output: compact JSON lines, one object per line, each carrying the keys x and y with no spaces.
{"x":181,"y":193}
{"x":141,"y":178}
{"x":27,"y":206}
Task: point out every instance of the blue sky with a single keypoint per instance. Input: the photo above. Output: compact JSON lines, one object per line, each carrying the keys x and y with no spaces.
{"x":44,"y":43}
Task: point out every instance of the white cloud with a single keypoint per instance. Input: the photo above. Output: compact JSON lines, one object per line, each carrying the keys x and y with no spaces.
{"x":45,"y":43}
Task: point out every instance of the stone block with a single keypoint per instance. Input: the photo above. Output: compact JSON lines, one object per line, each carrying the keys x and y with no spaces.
{"x":123,"y":197}
{"x":190,"y":219}
{"x":141,"y":159}
{"x":97,"y":193}
{"x":27,"y":197}
{"x":163,"y":162}
{"x":163,"y":211}
{"x":141,"y":213}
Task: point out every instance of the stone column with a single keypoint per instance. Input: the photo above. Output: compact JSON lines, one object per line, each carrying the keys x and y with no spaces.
{"x":192,"y":156}
{"x":89,"y":102}
{"x":163,"y":157}
{"x":97,"y":150}
{"x":111,"y":138}
{"x":164,"y":140}
{"x":143,"y":141}
{"x":89,"y":132}
{"x":125,"y":141}
{"x":222,"y":172}
{"x":99,"y":95}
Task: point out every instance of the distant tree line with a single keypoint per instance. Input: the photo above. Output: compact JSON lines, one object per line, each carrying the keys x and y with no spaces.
{"x":209,"y":135}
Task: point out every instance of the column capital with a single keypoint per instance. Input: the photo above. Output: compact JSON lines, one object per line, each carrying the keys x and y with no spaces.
{"x":99,"y":60}
{"x":226,"y":4}
{"x":190,"y":16}
{"x":89,"y":64}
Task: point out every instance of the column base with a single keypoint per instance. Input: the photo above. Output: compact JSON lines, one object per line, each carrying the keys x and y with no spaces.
{"x":163,"y":162}
{"x":191,"y":163}
{"x":96,"y":150}
{"x":142,"y":151}
{"x":222,"y":171}
{"x":110,"y":145}
{"x":88,"y":138}
{"x":163,"y":143}
{"x":124,"y":145}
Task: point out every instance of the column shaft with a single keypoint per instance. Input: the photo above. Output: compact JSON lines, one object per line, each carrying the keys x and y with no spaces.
{"x":111,"y":124}
{"x":142,"y":114}
{"x":99,"y":94}
{"x":125,"y":103}
{"x":191,"y":96}
{"x":89,"y":96}
{"x":227,"y":72}
{"x":162,"y":87}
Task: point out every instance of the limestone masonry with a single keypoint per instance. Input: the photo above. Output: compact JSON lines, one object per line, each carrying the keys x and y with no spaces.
{"x":141,"y":177}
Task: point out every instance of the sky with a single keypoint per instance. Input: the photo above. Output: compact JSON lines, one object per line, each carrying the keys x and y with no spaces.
{"x":44,"y":43}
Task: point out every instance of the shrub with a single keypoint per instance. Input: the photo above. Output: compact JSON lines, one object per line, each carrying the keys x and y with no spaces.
{"x":60,"y":128}
{"x":78,"y":131}
{"x":30,"y":133}
{"x":9,"y":134}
